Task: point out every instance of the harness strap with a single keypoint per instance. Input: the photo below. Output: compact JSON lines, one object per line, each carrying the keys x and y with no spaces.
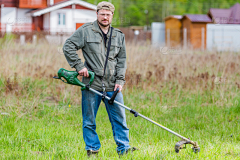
{"x":105,"y":65}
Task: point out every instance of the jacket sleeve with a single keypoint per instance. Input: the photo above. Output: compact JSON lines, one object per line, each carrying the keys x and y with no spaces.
{"x":72,"y":44}
{"x":121,"y":64}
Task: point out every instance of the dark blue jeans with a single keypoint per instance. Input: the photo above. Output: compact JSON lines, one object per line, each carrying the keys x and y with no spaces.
{"x":117,"y":117}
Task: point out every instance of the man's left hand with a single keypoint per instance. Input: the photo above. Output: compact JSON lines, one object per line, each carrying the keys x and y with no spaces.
{"x":118,"y":86}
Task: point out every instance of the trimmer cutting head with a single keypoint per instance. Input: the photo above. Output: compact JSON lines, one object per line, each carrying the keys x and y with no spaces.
{"x":180,"y":145}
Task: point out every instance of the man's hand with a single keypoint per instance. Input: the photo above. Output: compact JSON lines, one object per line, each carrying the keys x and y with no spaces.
{"x":83,"y":72}
{"x":118,"y":86}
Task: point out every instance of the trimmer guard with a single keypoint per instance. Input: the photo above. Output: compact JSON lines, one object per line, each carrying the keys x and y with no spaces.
{"x":180,"y":145}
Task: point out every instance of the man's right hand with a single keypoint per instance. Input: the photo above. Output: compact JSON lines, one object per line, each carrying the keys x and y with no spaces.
{"x":83,"y":72}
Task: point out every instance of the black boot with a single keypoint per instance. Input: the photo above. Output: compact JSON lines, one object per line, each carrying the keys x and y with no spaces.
{"x":127,"y":151}
{"x":91,"y":152}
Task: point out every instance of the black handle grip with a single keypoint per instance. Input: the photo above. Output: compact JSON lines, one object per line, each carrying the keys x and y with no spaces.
{"x":113,"y":96}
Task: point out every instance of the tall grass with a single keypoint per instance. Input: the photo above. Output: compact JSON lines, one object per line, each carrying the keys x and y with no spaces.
{"x":148,"y":68}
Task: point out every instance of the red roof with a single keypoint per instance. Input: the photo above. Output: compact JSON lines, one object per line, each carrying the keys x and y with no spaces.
{"x":62,"y":4}
{"x":226,"y":16}
{"x":36,"y":10}
{"x":198,"y":18}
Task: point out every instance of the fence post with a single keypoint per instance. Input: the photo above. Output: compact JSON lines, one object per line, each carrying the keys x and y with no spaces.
{"x":22,"y":39}
{"x":34,"y":39}
{"x":8,"y":28}
{"x":203,"y":39}
{"x":213,"y":38}
{"x":136,"y":33}
{"x":168,"y":37}
{"x":61,"y":38}
{"x":185,"y":38}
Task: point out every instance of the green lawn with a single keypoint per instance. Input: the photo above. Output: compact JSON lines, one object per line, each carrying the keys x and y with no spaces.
{"x":38,"y":127}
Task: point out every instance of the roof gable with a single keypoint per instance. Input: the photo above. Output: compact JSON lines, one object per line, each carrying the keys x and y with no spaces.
{"x":220,"y":16}
{"x":63,"y":4}
{"x":179,"y":17}
{"x":235,"y":13}
{"x":77,"y":6}
{"x":226,"y":16}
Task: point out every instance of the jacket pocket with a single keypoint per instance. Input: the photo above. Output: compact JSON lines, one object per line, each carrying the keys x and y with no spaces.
{"x":112,"y":72}
{"x":114,"y":49}
{"x":94,"y":44}
{"x":113,"y":75}
{"x":98,"y":72}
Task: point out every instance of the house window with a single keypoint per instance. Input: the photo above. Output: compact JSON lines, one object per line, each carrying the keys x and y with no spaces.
{"x":61,"y":19}
{"x":51,"y":2}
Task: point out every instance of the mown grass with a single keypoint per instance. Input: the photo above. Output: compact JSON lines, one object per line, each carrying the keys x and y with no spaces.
{"x":40,"y":128}
{"x":40,"y":118}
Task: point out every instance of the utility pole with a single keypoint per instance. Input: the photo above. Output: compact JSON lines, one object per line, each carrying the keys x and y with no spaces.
{"x":163,"y":11}
{"x":146,"y":12}
{"x":121,"y":12}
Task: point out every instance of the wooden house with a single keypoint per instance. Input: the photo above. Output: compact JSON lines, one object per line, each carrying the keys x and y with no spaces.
{"x":52,"y":16}
{"x":194,"y":30}
{"x":173,"y":30}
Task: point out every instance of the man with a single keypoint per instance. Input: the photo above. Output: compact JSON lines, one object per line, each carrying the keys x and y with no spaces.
{"x":93,"y":39}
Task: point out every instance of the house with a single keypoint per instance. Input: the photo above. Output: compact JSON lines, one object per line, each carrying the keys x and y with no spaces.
{"x":194,"y":29}
{"x":173,"y":30}
{"x":50,"y":16}
{"x":200,"y":31}
{"x":225,"y":16}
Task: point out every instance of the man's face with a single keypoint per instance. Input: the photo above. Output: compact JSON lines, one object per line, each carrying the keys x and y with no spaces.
{"x":104,"y":17}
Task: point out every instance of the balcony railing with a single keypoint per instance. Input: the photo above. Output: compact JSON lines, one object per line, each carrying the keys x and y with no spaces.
{"x":32,"y":3}
{"x":23,"y":27}
{"x":2,"y":27}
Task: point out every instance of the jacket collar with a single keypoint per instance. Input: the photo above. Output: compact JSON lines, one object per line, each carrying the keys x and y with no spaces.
{"x":96,"y":28}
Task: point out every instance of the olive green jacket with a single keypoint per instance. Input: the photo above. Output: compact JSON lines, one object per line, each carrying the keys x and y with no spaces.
{"x":89,"y":38}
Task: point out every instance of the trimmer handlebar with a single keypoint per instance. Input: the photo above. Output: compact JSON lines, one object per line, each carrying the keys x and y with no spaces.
{"x":113,"y":96}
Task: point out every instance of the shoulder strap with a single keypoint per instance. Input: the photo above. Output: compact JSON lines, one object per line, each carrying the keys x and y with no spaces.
{"x":108,"y":49}
{"x":105,"y":65}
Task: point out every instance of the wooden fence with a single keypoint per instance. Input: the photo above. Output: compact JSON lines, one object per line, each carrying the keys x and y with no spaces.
{"x":130,"y":36}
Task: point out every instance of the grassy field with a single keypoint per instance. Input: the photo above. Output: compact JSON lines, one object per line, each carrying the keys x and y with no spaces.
{"x":193,"y":93}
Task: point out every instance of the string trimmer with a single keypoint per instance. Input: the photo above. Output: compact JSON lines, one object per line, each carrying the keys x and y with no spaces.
{"x":70,"y":77}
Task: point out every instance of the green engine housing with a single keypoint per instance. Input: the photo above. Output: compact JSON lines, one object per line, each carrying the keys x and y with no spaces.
{"x":71,"y":77}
